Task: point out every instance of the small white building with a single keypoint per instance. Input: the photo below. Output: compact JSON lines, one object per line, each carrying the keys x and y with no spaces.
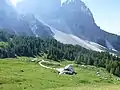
{"x":66,"y":70}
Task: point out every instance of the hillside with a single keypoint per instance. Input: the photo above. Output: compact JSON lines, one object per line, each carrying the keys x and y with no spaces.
{"x":21,"y":24}
{"x":71,"y":17}
{"x":39,"y":37}
{"x":20,"y":74}
{"x":52,"y":49}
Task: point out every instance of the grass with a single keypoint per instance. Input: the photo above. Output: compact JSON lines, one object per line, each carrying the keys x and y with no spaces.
{"x":52,"y":65}
{"x":20,"y":74}
{"x":89,"y":87}
{"x":3,"y":44}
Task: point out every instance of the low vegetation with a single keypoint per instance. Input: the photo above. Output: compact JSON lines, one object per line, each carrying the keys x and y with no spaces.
{"x":3,"y":44}
{"x":52,"y":49}
{"x":21,"y":74}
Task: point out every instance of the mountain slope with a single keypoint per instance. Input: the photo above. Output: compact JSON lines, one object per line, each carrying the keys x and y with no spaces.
{"x":25,"y":24}
{"x":71,"y":17}
{"x":81,"y":22}
{"x":72,"y":39}
{"x":37,"y":78}
{"x":70,"y":23}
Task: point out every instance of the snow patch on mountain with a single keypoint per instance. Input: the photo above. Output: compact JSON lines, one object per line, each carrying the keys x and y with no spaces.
{"x":109,"y":46}
{"x":15,"y":31}
{"x":72,"y":39}
{"x":34,"y":27}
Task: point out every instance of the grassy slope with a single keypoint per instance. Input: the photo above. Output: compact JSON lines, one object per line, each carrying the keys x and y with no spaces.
{"x":3,"y":44}
{"x":19,"y":74}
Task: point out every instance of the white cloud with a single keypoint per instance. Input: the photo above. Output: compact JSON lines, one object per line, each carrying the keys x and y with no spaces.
{"x":14,"y":2}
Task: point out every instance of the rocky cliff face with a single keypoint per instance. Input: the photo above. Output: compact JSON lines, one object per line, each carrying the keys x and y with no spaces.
{"x":71,"y":20}
{"x":39,"y":7}
{"x":80,"y":20}
{"x":25,"y":24}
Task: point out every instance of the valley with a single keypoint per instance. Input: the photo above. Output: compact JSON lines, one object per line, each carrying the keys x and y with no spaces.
{"x":72,"y":20}
{"x":40,"y":38}
{"x":22,"y":74}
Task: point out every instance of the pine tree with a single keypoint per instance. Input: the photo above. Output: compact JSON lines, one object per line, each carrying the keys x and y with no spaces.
{"x":117,"y":71}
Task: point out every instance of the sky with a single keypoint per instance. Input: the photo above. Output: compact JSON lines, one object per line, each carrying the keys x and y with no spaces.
{"x":14,"y":2}
{"x":105,"y":12}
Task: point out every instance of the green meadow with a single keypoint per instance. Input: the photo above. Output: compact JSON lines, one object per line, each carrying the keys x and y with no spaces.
{"x":21,"y":74}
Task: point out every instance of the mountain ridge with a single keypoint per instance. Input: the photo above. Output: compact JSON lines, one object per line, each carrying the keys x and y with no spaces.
{"x":73,"y":17}
{"x":20,"y":24}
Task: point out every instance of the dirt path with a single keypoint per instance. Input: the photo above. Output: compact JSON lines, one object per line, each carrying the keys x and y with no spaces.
{"x":57,"y":69}
{"x":40,"y":63}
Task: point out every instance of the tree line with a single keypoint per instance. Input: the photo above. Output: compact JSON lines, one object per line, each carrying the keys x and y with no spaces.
{"x":32,"y":46}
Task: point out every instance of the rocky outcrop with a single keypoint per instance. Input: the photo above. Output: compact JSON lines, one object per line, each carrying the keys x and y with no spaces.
{"x":25,"y":24}
{"x":73,"y":19}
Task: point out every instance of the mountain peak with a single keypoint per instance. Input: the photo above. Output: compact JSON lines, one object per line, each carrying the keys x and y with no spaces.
{"x":48,"y":18}
{"x":77,"y":5}
{"x":44,"y":6}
